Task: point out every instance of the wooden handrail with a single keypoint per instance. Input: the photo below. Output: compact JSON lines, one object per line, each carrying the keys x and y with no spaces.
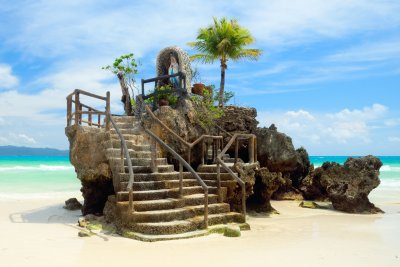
{"x":180,"y":139}
{"x":182,"y":163}
{"x":252,"y":159}
{"x":76,"y":115}
{"x":125,"y":152}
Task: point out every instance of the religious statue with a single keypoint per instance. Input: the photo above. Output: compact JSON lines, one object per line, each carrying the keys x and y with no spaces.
{"x":173,"y":69}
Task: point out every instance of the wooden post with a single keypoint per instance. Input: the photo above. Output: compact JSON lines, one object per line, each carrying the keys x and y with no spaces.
{"x":180,"y":180}
{"x":255,"y":148}
{"x":251,"y":149}
{"x":153,"y":148}
{"x":77,"y":104}
{"x":202,"y":152}
{"x":90,"y":117}
{"x":244,"y":201}
{"x":206,"y":209}
{"x":236,"y":149}
{"x":99,"y":120}
{"x":189,"y":155}
{"x":69,"y":110}
{"x":108,"y":113}
{"x":219,"y":182}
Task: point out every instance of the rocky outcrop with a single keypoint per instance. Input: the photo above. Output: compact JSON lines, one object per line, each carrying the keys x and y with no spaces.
{"x":266,"y":184}
{"x":347,"y":185}
{"x":87,"y":155}
{"x":238,"y":120}
{"x":275,"y":150}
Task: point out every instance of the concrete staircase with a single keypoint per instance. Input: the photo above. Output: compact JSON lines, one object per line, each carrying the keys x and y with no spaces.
{"x":158,"y":207}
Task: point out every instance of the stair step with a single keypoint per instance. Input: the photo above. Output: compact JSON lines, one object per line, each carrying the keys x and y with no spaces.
{"x":210,"y":176}
{"x":198,"y":199}
{"x":212,"y":168}
{"x":155,"y":204}
{"x":182,"y":226}
{"x":147,"y":169}
{"x":124,"y":119}
{"x":178,"y":213}
{"x":162,"y":193}
{"x":165,"y":228}
{"x":143,"y":177}
{"x":221,"y":218}
{"x":154,"y":185}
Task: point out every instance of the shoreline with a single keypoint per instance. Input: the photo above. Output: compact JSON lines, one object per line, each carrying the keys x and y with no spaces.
{"x":41,"y":233}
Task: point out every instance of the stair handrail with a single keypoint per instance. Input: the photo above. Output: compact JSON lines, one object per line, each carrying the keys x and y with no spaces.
{"x":74,"y":98}
{"x":182,"y":162}
{"x":252,"y":156}
{"x":125,"y":152}
{"x":203,"y":137}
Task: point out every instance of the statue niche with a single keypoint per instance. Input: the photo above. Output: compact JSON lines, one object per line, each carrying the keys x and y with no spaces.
{"x":182,"y":64}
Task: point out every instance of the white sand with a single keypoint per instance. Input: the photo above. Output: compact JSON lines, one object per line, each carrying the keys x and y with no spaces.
{"x":42,"y":233}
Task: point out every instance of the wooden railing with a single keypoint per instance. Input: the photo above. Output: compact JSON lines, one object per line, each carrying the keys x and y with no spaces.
{"x":182,"y":163}
{"x":76,"y":112}
{"x":252,"y":158}
{"x":180,"y":90}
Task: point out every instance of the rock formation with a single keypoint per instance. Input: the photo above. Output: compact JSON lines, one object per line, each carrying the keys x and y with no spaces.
{"x":265,"y":185}
{"x":91,"y":166}
{"x":347,"y":186}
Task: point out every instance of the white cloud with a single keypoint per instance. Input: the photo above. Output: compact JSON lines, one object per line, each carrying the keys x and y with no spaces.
{"x":17,"y":139}
{"x":394,"y":139}
{"x":339,"y":128}
{"x":392,"y":122}
{"x":7,"y":79}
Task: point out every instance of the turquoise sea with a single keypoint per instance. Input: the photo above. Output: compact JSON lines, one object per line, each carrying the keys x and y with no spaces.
{"x":44,"y":177}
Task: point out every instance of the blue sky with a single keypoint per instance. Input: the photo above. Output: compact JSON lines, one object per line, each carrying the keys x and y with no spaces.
{"x":329,"y":75}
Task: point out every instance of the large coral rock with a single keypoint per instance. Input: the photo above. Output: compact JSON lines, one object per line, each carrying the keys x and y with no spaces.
{"x":265,"y":185}
{"x":348,"y":186}
{"x":275,"y":150}
{"x":87,"y":155}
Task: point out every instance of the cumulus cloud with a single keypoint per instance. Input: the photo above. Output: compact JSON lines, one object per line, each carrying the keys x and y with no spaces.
{"x":17,"y":139}
{"x":342,"y":127}
{"x":7,"y":79}
{"x":394,"y":139}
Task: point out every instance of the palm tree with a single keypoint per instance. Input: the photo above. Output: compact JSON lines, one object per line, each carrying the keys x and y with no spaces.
{"x":223,"y":40}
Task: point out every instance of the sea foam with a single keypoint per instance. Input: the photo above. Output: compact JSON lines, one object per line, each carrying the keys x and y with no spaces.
{"x":41,"y":167}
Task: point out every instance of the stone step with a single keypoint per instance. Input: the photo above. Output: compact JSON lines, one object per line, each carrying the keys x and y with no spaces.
{"x":154,"y":185}
{"x":147,"y":169}
{"x":198,"y":199}
{"x":115,"y":153}
{"x":168,"y":203}
{"x":183,"y":213}
{"x":163,"y":193}
{"x":132,"y":143}
{"x":139,"y":177}
{"x":210,"y":176}
{"x":182,"y":226}
{"x":212,"y":168}
{"x":124,"y":119}
{"x":155,"y":204}
{"x":130,"y":131}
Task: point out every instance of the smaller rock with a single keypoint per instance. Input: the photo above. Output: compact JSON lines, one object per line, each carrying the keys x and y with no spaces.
{"x":309,"y":205}
{"x":232,"y":231}
{"x":82,"y":222}
{"x":84,"y":234}
{"x":72,"y":204}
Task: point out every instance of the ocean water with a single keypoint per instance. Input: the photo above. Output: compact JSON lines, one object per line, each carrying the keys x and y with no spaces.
{"x":36,"y":177}
{"x":46,"y":177}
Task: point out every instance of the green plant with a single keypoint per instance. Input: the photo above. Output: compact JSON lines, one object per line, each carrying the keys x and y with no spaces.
{"x":206,"y":112}
{"x":125,"y":67}
{"x":223,"y":40}
{"x":161,"y":94}
{"x":227,"y":95}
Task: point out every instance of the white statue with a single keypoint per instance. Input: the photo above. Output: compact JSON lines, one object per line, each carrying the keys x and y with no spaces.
{"x":173,"y":69}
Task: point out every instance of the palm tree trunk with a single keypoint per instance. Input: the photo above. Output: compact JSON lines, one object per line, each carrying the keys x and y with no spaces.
{"x":222,"y":84}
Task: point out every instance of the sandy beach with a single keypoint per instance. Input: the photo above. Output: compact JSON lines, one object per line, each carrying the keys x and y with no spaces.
{"x":41,"y":233}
